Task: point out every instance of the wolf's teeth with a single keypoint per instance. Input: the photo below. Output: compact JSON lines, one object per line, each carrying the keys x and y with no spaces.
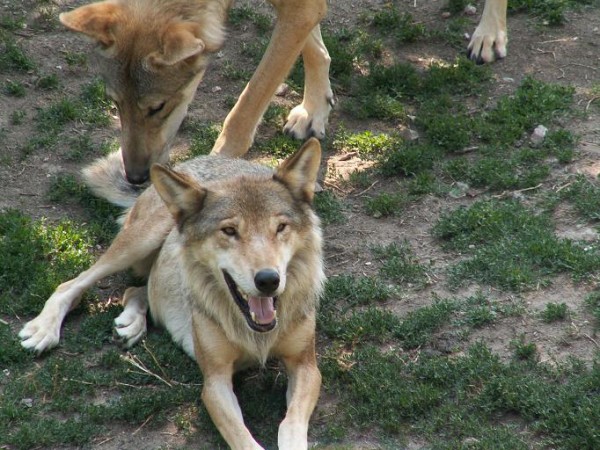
{"x":253,"y":315}
{"x":274,"y":314}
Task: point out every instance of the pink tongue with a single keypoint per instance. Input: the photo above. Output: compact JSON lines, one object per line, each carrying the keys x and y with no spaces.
{"x":263,"y":309}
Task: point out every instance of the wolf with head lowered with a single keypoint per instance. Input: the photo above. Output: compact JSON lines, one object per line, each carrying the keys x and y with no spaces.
{"x":232,"y":251}
{"x":152,"y":54}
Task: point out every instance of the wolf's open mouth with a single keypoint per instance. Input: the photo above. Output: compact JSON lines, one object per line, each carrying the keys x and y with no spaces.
{"x":260,"y":312}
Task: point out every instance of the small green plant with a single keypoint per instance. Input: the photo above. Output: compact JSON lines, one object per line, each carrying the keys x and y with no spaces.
{"x":48,"y":82}
{"x":584,"y":194}
{"x":329,"y":208}
{"x":202,"y":137}
{"x":14,"y":58}
{"x":400,"y":264}
{"x":14,"y":88}
{"x":525,"y":351}
{"x":76,"y":59}
{"x":592,"y":301}
{"x":367,"y":144}
{"x":386,"y":204}
{"x":17,"y":117}
{"x":554,"y":312}
{"x":234,"y":73}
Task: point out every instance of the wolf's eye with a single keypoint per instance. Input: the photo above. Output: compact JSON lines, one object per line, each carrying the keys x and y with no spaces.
{"x":229,"y":231}
{"x":281,"y":227}
{"x":155,"y":110}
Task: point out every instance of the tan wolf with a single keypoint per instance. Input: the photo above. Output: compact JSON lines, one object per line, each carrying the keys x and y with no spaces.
{"x":233,"y":255}
{"x":152,"y":54}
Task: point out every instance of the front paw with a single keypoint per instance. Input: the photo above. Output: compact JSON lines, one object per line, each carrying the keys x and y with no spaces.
{"x":304,"y":122}
{"x":487,"y":44}
{"x":40,"y":334}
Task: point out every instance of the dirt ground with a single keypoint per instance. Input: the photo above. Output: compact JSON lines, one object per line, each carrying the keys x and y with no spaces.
{"x":568,"y":54}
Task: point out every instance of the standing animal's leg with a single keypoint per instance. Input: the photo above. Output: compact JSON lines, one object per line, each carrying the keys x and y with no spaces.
{"x":144,"y":232}
{"x":295,"y":20}
{"x":310,"y":117}
{"x":216,"y":357}
{"x":490,"y":37}
{"x":130,"y":326}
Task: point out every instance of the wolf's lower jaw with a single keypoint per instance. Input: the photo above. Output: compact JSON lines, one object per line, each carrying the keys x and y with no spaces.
{"x":242,"y":301}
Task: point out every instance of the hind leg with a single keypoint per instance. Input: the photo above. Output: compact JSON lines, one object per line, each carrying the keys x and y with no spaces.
{"x":130,"y":326}
{"x":310,"y":117}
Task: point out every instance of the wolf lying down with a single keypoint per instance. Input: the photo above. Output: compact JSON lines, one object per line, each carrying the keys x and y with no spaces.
{"x":232,"y":251}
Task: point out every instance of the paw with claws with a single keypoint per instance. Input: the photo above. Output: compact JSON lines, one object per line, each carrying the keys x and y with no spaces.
{"x":130,"y":326}
{"x":309,"y":119}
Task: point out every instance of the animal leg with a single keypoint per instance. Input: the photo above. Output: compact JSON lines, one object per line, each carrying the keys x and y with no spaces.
{"x":490,"y":37}
{"x":310,"y":117}
{"x":130,"y":326}
{"x":139,"y":238}
{"x":295,"y":20}
{"x":216,"y":357}
{"x":304,"y":383}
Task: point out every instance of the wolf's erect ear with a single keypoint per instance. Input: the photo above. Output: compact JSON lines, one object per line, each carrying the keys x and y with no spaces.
{"x":179,"y":41}
{"x":300,"y":170}
{"x":97,"y":21}
{"x":182,"y":195}
{"x":183,"y":40}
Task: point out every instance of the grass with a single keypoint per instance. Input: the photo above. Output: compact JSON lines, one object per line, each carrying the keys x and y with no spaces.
{"x":401,"y":362}
{"x":510,"y":247}
{"x":48,"y":254}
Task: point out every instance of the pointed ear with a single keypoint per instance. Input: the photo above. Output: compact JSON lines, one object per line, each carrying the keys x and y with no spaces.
{"x":182,"y":195}
{"x":299,"y":172}
{"x":180,"y":40}
{"x":96,"y":21}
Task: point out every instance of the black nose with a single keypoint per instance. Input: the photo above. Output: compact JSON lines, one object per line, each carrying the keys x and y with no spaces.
{"x":138,"y":177}
{"x":266,"y":281}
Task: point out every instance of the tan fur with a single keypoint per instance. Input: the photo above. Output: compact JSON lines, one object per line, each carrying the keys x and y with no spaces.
{"x":211,"y":220}
{"x":490,"y":37}
{"x":152,"y":55}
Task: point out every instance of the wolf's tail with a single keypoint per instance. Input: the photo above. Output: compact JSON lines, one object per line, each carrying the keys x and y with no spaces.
{"x":106,"y":178}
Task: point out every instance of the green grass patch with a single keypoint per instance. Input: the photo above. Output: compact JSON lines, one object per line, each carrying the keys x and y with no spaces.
{"x":510,"y":247}
{"x":584,"y":194}
{"x":554,"y":312}
{"x":13,"y":58}
{"x":385,"y":204}
{"x":202,"y":137}
{"x":592,"y":301}
{"x":14,"y":88}
{"x":36,"y":257}
{"x":399,"y":264}
{"x":102,"y":215}
{"x":447,"y":400}
{"x":329,"y":208}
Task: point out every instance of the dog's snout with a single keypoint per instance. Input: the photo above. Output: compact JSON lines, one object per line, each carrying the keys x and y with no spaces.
{"x":138,"y":177}
{"x":267,"y":281}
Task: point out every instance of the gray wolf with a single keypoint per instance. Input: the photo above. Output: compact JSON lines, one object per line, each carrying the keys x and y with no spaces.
{"x":152,"y":54}
{"x":233,"y":255}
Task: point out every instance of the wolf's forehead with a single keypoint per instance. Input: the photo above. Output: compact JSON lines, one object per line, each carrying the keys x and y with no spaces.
{"x":256,"y":204}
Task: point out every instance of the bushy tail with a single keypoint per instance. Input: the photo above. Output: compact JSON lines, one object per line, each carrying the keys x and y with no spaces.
{"x":106,"y":178}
